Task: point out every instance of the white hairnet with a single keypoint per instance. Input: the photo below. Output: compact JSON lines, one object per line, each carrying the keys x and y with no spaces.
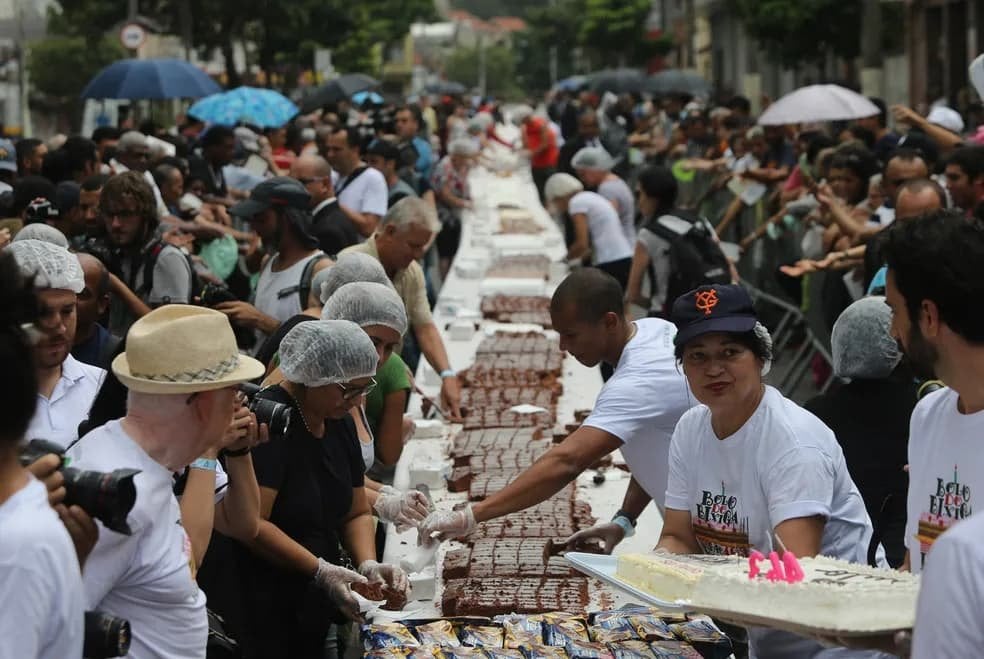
{"x":43,"y":232}
{"x":367,"y":303}
{"x":592,"y":157}
{"x":521,"y":114}
{"x":350,"y":267}
{"x":51,"y":266}
{"x":320,"y":352}
{"x":762,"y":334}
{"x":862,"y":343}
{"x":561,"y":185}
{"x":463,"y":147}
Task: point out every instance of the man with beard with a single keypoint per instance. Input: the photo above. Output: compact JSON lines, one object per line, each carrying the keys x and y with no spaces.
{"x":93,"y":343}
{"x":66,"y":387}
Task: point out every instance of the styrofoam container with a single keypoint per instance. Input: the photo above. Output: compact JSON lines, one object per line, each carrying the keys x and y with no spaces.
{"x":512,"y":286}
{"x":461,"y":330}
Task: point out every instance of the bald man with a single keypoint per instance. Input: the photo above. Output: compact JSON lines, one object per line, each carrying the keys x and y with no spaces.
{"x":94,"y":345}
{"x":332,"y":227}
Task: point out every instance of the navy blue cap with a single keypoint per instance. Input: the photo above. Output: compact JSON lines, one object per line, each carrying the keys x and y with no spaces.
{"x":712,"y":308}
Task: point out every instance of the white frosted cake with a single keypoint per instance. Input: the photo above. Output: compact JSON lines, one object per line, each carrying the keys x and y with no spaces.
{"x":833,"y":595}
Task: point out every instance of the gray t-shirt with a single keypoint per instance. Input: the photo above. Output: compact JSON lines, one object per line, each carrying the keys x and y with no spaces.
{"x":171,"y":284}
{"x":400,"y":190}
{"x":617,"y":191}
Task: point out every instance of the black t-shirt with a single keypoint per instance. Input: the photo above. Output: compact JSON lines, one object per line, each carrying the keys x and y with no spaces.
{"x":214,"y":180}
{"x":333,"y":229}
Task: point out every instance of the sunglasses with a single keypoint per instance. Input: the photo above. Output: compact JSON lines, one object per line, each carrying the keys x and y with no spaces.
{"x":348,"y":393}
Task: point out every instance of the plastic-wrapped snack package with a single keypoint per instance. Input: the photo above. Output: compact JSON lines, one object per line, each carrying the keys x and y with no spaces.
{"x":544,"y":652}
{"x":631,"y":650}
{"x":461,"y":652}
{"x":587,"y":650}
{"x":390,"y":653}
{"x":559,"y":628}
{"x":612,"y":626}
{"x":504,"y":653}
{"x":705,"y":638}
{"x":439,"y":632}
{"x":482,"y":636}
{"x":651,"y":628}
{"x":387,"y":635}
{"x":674,"y":650}
{"x":521,"y":630}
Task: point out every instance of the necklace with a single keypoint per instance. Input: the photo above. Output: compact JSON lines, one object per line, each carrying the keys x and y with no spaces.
{"x":300,"y":410}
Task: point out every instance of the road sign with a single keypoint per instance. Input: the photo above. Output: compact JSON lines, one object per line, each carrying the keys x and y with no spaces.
{"x":132,"y":36}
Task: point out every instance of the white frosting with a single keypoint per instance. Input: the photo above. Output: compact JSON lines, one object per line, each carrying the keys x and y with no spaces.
{"x":833,"y":595}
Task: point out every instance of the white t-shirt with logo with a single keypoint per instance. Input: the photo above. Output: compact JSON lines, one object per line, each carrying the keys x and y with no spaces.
{"x":43,"y":606}
{"x":145,"y":577}
{"x":366,"y":193}
{"x":782,"y":464}
{"x":946,"y":470}
{"x":642,"y":403}
{"x":608,"y":242}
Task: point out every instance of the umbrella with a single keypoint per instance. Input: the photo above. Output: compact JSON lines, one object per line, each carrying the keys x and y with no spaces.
{"x":361,"y":97}
{"x":150,"y":79}
{"x":336,"y":90}
{"x":449,"y":87}
{"x":261,"y":107}
{"x":678,"y":81}
{"x":818,"y":103}
{"x":618,"y":81}
{"x":572,"y":84}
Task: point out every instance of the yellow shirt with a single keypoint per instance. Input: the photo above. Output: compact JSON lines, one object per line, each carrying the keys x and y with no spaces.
{"x":409,"y":284}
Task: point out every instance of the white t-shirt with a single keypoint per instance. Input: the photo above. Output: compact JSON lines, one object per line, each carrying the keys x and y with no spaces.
{"x":782,"y":464}
{"x":642,"y":402}
{"x":43,"y":609}
{"x":367,"y":193}
{"x":946,"y":470}
{"x":617,"y":192}
{"x":951,"y":596}
{"x":57,"y":418}
{"x":145,"y":577}
{"x":608,"y":242}
{"x":277,"y":293}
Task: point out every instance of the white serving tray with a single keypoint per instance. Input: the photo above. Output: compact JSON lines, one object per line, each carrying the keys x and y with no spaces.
{"x":603,"y":567}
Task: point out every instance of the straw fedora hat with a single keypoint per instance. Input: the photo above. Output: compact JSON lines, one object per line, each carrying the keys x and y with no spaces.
{"x":179,"y":348}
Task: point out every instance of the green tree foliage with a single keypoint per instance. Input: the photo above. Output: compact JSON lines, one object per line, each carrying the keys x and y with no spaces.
{"x":549,"y":26}
{"x":500,"y":69}
{"x":614,"y":31}
{"x":803,"y":31}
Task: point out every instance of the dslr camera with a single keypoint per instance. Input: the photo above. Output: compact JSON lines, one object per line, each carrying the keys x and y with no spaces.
{"x":276,"y":415}
{"x":105,"y":636}
{"x":107,"y":497}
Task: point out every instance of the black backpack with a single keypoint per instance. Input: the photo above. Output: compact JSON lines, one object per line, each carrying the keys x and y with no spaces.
{"x":695,"y":256}
{"x":150,"y":256}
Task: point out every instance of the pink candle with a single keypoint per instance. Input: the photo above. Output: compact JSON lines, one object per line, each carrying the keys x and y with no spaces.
{"x":794,"y":573}
{"x":753,"y":560}
{"x":776,"y":573}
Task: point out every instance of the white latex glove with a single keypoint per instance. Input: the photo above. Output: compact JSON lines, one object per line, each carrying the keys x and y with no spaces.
{"x":389,"y":575}
{"x":405,"y":509}
{"x":446,"y":524}
{"x":609,"y":533}
{"x":336,"y":581}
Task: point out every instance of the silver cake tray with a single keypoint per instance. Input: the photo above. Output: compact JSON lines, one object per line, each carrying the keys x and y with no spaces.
{"x":603,"y":567}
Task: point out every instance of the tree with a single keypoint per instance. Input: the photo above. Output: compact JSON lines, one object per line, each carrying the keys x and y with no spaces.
{"x":500,"y":69}
{"x":547,"y":27}
{"x":615,"y":31}
{"x":800,"y":32}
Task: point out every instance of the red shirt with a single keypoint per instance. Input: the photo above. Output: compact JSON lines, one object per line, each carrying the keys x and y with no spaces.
{"x":533,"y":130}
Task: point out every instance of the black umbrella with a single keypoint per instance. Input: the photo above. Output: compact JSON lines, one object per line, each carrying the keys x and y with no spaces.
{"x":337,"y":90}
{"x":449,"y":87}
{"x":618,"y":81}
{"x":678,"y":81}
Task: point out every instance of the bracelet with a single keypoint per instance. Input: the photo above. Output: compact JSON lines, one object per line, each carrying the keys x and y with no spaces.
{"x":627,"y":526}
{"x":622,"y":513}
{"x":448,"y":373}
{"x":205,"y":464}
{"x":238,"y":453}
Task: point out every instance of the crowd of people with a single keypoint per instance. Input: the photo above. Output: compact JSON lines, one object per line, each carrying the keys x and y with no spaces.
{"x":223,"y":324}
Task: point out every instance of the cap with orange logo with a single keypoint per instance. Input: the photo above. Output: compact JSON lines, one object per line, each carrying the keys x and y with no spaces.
{"x":712,"y":308}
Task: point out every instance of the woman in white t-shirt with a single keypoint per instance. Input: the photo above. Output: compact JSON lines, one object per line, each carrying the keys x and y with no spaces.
{"x":597,"y":227}
{"x":749,"y":465}
{"x":39,"y":569}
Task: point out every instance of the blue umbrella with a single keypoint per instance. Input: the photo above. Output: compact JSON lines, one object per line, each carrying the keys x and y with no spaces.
{"x":572,"y":84}
{"x":361,"y":97}
{"x":261,"y":107}
{"x":151,"y":79}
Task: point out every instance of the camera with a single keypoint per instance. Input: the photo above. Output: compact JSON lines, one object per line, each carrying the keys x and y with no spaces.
{"x":215,"y":294}
{"x":107,"y":497}
{"x":40,"y":210}
{"x":105,"y":636}
{"x":276,"y":415}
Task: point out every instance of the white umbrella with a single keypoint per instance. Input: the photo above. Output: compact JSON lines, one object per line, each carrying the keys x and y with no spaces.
{"x":818,"y":103}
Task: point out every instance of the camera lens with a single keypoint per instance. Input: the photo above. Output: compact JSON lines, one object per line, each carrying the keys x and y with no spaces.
{"x":107,"y":497}
{"x":275,"y":415}
{"x":105,"y":635}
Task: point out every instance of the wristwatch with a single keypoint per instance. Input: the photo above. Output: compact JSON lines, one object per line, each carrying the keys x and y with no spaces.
{"x":448,"y":373}
{"x":627,"y":523}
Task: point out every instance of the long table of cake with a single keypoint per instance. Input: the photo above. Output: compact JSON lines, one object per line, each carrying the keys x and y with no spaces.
{"x":520,"y":394}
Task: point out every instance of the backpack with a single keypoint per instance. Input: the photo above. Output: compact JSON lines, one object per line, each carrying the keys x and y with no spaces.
{"x":695,"y":256}
{"x":150,"y":256}
{"x":303,"y":287}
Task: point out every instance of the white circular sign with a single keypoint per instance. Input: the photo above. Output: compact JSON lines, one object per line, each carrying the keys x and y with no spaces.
{"x":132,"y":36}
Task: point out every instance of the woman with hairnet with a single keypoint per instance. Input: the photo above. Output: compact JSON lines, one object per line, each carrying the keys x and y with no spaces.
{"x":312,"y":501}
{"x":870,"y":417}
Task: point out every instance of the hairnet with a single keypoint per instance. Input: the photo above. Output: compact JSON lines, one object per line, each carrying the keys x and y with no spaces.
{"x":862,"y":343}
{"x":521,"y":114}
{"x":350,"y":267}
{"x":765,"y":340}
{"x":44,"y":233}
{"x":367,"y":303}
{"x":462,"y":147}
{"x":592,"y":157}
{"x":561,"y":185}
{"x":321,"y":352}
{"x":51,"y":266}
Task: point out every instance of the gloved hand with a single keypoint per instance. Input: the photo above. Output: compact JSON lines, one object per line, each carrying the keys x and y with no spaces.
{"x":609,"y":533}
{"x":390,"y":576}
{"x":446,"y":524}
{"x":405,"y":509}
{"x":336,"y":581}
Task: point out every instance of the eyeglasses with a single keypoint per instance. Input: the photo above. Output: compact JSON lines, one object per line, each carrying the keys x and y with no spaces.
{"x":348,"y":393}
{"x":122,"y":213}
{"x":309,"y":181}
